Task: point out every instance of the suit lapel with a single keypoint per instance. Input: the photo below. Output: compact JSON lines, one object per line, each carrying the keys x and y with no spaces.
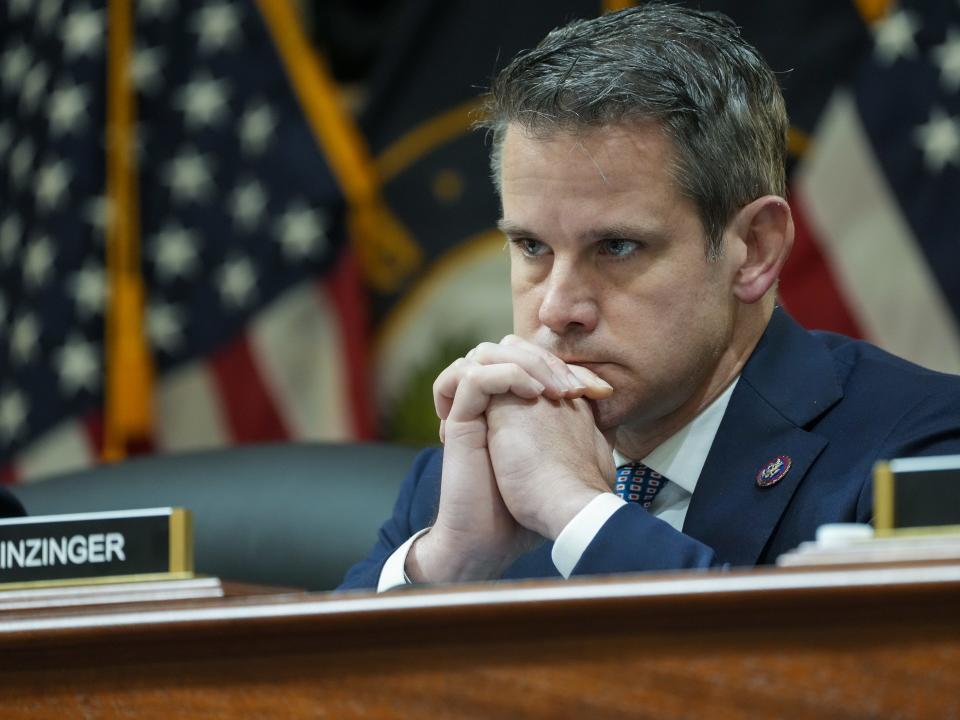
{"x":788,"y":382}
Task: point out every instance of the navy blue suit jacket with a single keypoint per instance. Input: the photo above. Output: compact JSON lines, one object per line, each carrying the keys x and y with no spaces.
{"x":833,"y":405}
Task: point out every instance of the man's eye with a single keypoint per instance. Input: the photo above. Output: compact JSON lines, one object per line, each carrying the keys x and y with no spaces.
{"x":531,"y":248}
{"x":619,"y":248}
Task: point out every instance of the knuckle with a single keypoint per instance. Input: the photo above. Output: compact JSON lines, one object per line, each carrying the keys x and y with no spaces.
{"x":472,"y":374}
{"x":517,"y":373}
{"x":482,"y":350}
{"x":458,"y":364}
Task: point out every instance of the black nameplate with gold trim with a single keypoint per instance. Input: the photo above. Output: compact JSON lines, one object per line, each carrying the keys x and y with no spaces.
{"x":90,"y":546}
{"x":917,"y":495}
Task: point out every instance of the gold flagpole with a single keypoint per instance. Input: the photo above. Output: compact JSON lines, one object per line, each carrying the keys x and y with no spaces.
{"x":129,"y":371}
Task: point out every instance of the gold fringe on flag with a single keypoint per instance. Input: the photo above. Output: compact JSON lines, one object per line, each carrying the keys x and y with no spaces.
{"x":388,"y":254}
{"x":609,"y":6}
{"x":129,"y":370}
{"x":873,"y":10}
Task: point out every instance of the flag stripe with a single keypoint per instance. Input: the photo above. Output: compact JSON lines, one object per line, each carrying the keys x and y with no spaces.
{"x":870,"y":246}
{"x":808,"y":288}
{"x":248,"y":407}
{"x":9,"y":474}
{"x":189,"y":411}
{"x":94,"y":429}
{"x":66,"y":447}
{"x":347,"y":295}
{"x":296,"y":345}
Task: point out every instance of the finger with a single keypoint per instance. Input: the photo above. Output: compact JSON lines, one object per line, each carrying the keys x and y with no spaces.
{"x":583,"y":383}
{"x":597,"y":387}
{"x":481,"y":382}
{"x":442,"y":431}
{"x":539,"y":364}
{"x":445,"y":386}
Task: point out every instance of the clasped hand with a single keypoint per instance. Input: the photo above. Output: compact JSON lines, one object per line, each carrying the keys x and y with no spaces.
{"x":522,"y":456}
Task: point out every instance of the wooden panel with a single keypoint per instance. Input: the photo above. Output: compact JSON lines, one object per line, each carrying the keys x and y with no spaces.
{"x":856,"y":643}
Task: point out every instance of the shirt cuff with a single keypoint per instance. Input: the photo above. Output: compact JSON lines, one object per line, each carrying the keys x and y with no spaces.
{"x":393,"y":573}
{"x":573,"y":540}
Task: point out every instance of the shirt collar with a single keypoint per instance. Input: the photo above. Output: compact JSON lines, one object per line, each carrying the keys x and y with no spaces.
{"x":681,"y":457}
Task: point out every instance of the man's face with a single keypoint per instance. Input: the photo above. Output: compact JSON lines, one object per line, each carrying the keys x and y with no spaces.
{"x":609,"y":269}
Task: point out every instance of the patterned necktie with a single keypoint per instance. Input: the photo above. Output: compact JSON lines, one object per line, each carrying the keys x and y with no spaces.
{"x":638,"y":483}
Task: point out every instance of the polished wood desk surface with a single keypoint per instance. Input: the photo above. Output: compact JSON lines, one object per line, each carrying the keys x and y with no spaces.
{"x":878,"y":641}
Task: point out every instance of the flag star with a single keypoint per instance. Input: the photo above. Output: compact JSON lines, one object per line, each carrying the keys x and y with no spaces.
{"x":11,"y":232}
{"x":51,"y":183}
{"x":23,"y":338}
{"x":247,"y":204}
{"x":13,"y":414}
{"x":48,"y":13}
{"x":301,"y":231}
{"x":203,"y":101}
{"x":21,"y":160}
{"x":145,"y":70}
{"x":34,"y":84}
{"x":165,"y":327}
{"x":155,"y":9}
{"x":189,"y":176}
{"x":257,"y":126}
{"x":217,"y":25}
{"x":97,"y":213}
{"x":947,"y":57}
{"x":67,"y":109}
{"x":15,"y":64}
{"x":939,"y":139}
{"x":174,"y":252}
{"x":82,"y":33}
{"x":78,"y":366}
{"x":89,"y":289}
{"x":894,"y":37}
{"x":38,"y":262}
{"x":237,"y":282}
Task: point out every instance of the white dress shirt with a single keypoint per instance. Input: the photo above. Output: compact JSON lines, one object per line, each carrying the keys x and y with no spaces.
{"x":679,"y":458}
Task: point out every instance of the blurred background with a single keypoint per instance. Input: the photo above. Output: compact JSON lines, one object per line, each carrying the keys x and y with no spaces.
{"x":239,"y":221}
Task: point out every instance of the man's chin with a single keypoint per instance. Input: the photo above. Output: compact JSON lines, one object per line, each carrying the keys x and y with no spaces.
{"x":606,"y":415}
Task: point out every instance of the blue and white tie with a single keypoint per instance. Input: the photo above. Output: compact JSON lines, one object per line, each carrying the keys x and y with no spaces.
{"x":638,"y":483}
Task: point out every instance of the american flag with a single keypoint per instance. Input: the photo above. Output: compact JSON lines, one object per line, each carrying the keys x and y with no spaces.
{"x":877,"y":198}
{"x":254,"y":312}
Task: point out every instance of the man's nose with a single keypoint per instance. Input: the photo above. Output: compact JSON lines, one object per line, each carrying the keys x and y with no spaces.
{"x":568,"y":303}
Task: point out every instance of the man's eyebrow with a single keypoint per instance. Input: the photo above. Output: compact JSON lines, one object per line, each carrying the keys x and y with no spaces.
{"x":611,"y":232}
{"x":511,"y":230}
{"x":622,"y":232}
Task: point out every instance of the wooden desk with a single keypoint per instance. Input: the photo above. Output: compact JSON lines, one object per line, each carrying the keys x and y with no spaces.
{"x":881,"y":642}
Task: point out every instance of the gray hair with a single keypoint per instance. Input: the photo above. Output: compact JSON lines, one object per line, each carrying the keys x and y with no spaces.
{"x":712,"y":93}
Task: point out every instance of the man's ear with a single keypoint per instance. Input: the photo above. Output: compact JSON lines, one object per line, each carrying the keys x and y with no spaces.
{"x":765,"y":229}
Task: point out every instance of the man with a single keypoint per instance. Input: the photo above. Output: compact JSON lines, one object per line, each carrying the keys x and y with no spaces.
{"x":640,"y":162}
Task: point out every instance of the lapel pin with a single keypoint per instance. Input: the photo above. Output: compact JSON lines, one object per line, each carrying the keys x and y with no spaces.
{"x":773,"y":471}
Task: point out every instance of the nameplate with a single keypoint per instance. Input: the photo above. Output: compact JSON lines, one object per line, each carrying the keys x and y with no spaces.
{"x":917,"y":495}
{"x":128,"y":544}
